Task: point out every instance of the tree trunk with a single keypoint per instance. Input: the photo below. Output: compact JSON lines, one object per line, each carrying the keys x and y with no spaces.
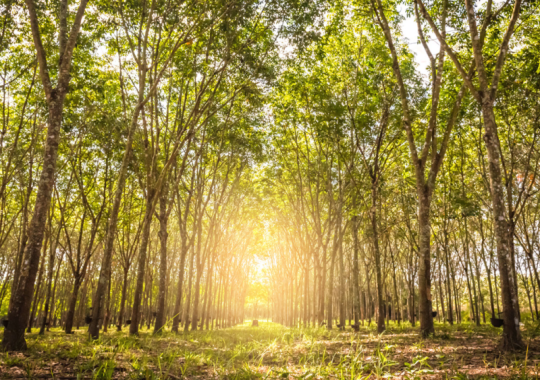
{"x":143,"y":249}
{"x":98,"y":303}
{"x":107,"y":308}
{"x":356,"y":270}
{"x":50,"y":272}
{"x":200,"y":267}
{"x":19,"y":308}
{"x":123,"y":300}
{"x":163,"y":218}
{"x":188,"y":296}
{"x":72,"y":304}
{"x":377,"y":253}
{"x":178,"y":303}
{"x":329,"y":303}
{"x":511,"y":334}
{"x":38,"y":291}
{"x":424,"y":272}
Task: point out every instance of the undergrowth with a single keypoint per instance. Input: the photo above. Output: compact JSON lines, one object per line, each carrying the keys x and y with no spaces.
{"x":273,"y":351}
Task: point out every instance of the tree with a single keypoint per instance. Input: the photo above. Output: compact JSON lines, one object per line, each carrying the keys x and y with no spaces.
{"x":55,"y":96}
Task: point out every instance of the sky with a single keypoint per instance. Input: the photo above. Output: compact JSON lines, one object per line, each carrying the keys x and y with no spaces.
{"x":410,"y":32}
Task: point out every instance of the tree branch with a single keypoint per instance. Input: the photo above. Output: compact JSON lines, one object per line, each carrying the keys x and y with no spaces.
{"x":65,"y":64}
{"x":449,"y":51}
{"x":504,"y":49}
{"x":40,"y":50}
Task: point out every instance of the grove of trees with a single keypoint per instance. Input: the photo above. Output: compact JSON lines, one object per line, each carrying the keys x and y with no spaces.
{"x":183,"y":165}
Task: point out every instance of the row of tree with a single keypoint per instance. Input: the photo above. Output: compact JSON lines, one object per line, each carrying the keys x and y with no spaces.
{"x":154,"y":152}
{"x":128,"y":147}
{"x":403,"y":195}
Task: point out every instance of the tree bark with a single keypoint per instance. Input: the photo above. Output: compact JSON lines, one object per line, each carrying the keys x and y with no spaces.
{"x":485,"y":96}
{"x":356,"y":270}
{"x":98,"y":303}
{"x":424,"y":271}
{"x":179,"y":292}
{"x":143,"y":249}
{"x":377,"y":253}
{"x":511,"y":333}
{"x":123,"y":300}
{"x":72,"y":304}
{"x":163,"y":219}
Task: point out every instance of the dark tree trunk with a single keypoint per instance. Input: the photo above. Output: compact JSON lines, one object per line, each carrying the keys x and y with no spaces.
{"x":123,"y":300}
{"x":143,"y":249}
{"x":72,"y":305}
{"x":179,"y":292}
{"x":199,"y":267}
{"x":98,"y":303}
{"x":356,"y":270}
{"x":19,"y":309}
{"x":196,"y":298}
{"x":188,"y":296}
{"x":511,"y":334}
{"x":163,"y":218}
{"x":424,"y":272}
{"x":50,"y":271}
{"x":377,"y":253}
{"x":329,"y":294}
{"x":37,"y":292}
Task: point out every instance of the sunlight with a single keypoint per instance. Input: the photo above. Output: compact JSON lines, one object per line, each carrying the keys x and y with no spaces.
{"x":269,"y":189}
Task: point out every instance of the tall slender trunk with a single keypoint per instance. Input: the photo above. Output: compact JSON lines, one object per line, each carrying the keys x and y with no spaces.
{"x":23,"y":291}
{"x":36,"y":298}
{"x":107,"y":308}
{"x":448,"y":282}
{"x":179,"y":292}
{"x":329,"y":303}
{"x":50,"y":272}
{"x":143,"y":250}
{"x":208,"y":295}
{"x":98,"y":303}
{"x":196,"y":299}
{"x":72,"y":304}
{"x":123,"y":299}
{"x":511,"y":333}
{"x":531,"y":261}
{"x":356,"y":270}
{"x":377,"y":253}
{"x":534,"y":291}
{"x":200,"y":267}
{"x":488,"y":269}
{"x":188,"y":296}
{"x":163,"y":219}
{"x":397,"y":307}
{"x":306,"y":294}
{"x":53,"y":305}
{"x":342,"y":292}
{"x":424,"y":272}
{"x":480,"y":295}
{"x":441,"y":296}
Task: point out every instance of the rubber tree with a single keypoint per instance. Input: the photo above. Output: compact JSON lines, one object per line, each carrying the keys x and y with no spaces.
{"x":22,"y":291}
{"x":159,"y":64}
{"x":485,"y":95}
{"x":428,"y":160}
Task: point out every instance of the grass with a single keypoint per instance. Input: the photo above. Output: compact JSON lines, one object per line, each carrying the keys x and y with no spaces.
{"x":272,"y":351}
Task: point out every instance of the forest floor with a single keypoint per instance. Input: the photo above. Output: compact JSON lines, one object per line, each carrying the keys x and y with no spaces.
{"x":272,"y":351}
